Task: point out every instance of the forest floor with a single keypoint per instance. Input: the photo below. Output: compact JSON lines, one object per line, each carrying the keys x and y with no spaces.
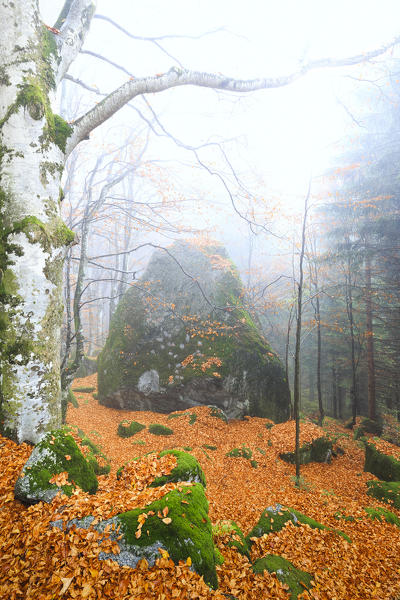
{"x":43,"y":563}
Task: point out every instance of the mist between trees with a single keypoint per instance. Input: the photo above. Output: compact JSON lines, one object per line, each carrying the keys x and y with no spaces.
{"x":322,"y":282}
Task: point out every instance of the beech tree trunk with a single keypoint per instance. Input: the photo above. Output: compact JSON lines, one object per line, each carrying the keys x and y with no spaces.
{"x":370,"y":342}
{"x":32,"y":235}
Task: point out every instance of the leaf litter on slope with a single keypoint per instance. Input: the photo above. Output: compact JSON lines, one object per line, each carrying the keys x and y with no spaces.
{"x":38,"y":561}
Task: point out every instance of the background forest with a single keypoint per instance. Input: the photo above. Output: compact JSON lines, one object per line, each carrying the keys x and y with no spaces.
{"x":128,"y":202}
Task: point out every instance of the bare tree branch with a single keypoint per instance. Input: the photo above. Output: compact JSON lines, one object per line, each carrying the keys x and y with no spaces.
{"x":177,"y":77}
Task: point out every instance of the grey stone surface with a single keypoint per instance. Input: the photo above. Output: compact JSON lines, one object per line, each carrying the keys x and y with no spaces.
{"x":189,"y":307}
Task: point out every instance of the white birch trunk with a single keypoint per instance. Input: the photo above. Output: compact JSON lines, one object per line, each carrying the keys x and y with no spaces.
{"x":32,"y":234}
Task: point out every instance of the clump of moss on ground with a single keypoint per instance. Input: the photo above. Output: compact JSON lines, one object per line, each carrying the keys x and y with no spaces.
{"x":242,"y":452}
{"x":128,"y":429}
{"x":157,"y":429}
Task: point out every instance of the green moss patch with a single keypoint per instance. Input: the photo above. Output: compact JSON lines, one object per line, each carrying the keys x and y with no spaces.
{"x":192,"y":418}
{"x":84,"y":390}
{"x":235,"y":535}
{"x":187,"y":469}
{"x":383,"y":466}
{"x":127,"y":429}
{"x":187,"y":531}
{"x":274,"y":518}
{"x":382,"y":514}
{"x":297,"y":580}
{"x":56,"y":453}
{"x":92,"y":452}
{"x":242,"y":452}
{"x":157,"y":429}
{"x":387,"y":491}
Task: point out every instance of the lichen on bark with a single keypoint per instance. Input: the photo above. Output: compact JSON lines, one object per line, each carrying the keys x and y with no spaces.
{"x":32,"y":234}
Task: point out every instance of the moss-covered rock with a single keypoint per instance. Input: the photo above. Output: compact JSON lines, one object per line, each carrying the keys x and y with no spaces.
{"x":187,"y":469}
{"x":383,"y":466}
{"x":236,"y":537}
{"x":185,"y":531}
{"x":177,"y":342}
{"x":296,"y":579}
{"x":56,"y":453}
{"x":274,"y":518}
{"x":382,"y":514}
{"x":92,"y":452}
{"x":387,"y":491}
{"x":158,"y":429}
{"x":127,"y":428}
{"x":320,"y":450}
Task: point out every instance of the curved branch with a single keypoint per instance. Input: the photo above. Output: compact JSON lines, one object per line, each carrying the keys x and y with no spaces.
{"x":177,"y":77}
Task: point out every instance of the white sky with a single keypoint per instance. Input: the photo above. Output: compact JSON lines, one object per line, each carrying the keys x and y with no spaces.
{"x":281,"y":133}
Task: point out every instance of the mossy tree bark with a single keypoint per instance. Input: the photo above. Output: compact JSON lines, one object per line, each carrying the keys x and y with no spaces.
{"x":32,"y":235}
{"x":34,"y":144}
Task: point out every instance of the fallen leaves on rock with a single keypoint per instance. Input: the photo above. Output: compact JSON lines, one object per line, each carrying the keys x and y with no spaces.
{"x":41,"y":562}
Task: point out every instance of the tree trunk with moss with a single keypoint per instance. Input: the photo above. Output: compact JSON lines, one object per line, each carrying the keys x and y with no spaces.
{"x":32,"y":235}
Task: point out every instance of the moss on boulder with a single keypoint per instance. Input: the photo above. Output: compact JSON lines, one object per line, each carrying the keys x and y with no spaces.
{"x":382,"y":514}
{"x":56,"y":453}
{"x":387,"y":491}
{"x":320,"y":450}
{"x":184,"y":532}
{"x":297,"y":580}
{"x":274,"y":518}
{"x":158,"y":429}
{"x":236,"y":537}
{"x":187,"y":469}
{"x":383,"y":466}
{"x":176,"y":342}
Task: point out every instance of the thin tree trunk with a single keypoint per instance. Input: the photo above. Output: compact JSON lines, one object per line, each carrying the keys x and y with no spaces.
{"x":334,"y":393}
{"x":370,"y":342}
{"x":354,"y":390}
{"x":296,"y":386}
{"x":319,"y":344}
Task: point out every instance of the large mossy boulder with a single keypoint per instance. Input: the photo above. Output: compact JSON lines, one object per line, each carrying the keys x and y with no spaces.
{"x":178,"y":523}
{"x":381,"y":465}
{"x":55,"y":465}
{"x":181,"y":337}
{"x":296,"y":579}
